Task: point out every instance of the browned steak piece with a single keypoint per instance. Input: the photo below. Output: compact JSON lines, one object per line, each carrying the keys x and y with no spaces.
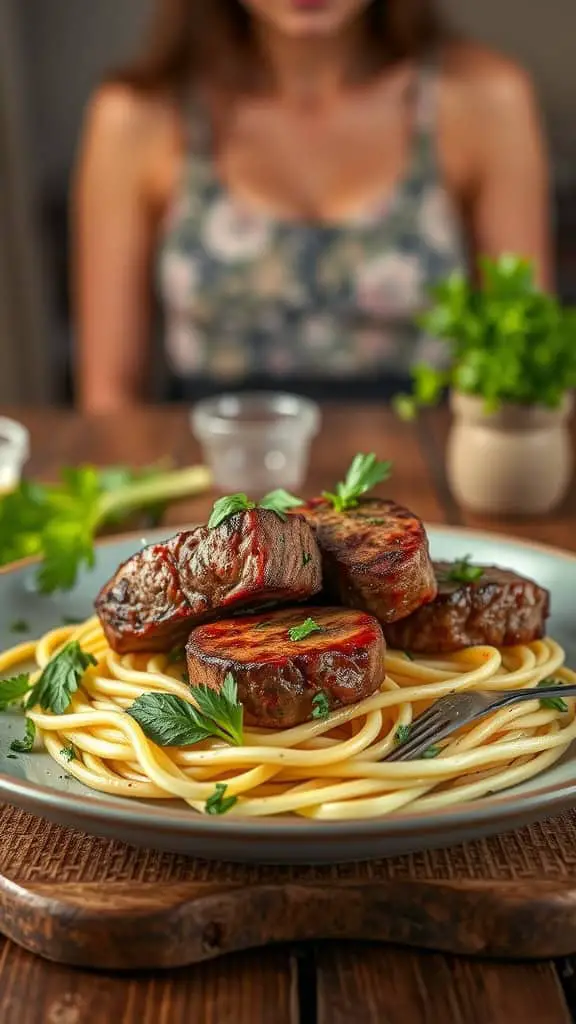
{"x":251,"y":559}
{"x":500,"y":608}
{"x":279,"y":677}
{"x":374,"y":557}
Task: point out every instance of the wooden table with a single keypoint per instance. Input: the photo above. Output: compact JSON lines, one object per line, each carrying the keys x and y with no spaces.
{"x":328,"y":983}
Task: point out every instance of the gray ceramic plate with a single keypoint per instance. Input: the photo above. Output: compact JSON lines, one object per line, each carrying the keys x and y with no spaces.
{"x":35,"y":782}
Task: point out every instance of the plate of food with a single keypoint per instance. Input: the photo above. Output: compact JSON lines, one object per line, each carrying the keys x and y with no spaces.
{"x":235,"y":690}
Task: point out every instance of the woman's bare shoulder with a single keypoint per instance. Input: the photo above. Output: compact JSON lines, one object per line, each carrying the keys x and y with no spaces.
{"x":121,"y":117}
{"x":482,"y":78}
{"x":487,"y":102}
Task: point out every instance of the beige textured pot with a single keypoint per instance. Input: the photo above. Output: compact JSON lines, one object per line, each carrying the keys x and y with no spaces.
{"x":517,"y":461}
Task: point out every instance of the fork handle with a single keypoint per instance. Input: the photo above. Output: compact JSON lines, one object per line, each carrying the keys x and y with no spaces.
{"x":542,"y":693}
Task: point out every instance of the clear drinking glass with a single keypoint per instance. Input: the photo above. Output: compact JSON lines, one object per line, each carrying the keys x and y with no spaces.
{"x":14,"y":452}
{"x":256,"y":442}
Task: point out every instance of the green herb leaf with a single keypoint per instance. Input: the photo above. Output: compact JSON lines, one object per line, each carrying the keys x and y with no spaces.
{"x":69,"y":753}
{"x":60,"y":679}
{"x":402,"y":733}
{"x":462,"y":572}
{"x":227,"y":506}
{"x":19,"y":626}
{"x":306,"y":558}
{"x":13,"y":690}
{"x":320,"y":705}
{"x":170,"y":721}
{"x":405,"y":407}
{"x":506,"y":340}
{"x":551,"y":703}
{"x":58,"y":522}
{"x":364,"y":473}
{"x":305,"y":629}
{"x":280,"y":502}
{"x":432,"y":751}
{"x":24,"y":746}
{"x":223,"y":708}
{"x":219,"y":803}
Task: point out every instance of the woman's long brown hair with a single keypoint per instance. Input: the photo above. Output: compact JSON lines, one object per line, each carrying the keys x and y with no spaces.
{"x":189,"y":39}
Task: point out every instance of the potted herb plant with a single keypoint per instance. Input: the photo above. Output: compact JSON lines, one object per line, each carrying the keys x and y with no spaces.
{"x":511,"y":368}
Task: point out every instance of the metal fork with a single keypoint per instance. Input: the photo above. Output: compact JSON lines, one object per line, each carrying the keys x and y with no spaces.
{"x":450,"y":713}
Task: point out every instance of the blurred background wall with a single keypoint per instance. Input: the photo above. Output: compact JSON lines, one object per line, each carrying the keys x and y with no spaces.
{"x":60,"y":48}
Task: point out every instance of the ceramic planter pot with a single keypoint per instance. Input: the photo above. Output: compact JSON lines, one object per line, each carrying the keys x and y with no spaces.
{"x":517,"y":461}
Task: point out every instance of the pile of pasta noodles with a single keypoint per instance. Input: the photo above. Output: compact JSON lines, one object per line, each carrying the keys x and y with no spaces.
{"x":329,"y":768}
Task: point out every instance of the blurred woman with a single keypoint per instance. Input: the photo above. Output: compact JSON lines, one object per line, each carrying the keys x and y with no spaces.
{"x":290,"y":177}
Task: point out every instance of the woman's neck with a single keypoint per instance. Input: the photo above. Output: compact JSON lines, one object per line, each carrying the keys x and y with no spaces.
{"x":314,"y":70}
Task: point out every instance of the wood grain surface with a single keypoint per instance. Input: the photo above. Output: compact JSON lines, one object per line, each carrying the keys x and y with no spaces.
{"x":337,"y":982}
{"x":396,"y":987}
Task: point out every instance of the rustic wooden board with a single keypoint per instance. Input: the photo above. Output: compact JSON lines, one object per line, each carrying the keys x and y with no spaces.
{"x":91,"y":902}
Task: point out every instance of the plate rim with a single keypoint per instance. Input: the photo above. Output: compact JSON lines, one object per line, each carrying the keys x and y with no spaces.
{"x":180,"y":822}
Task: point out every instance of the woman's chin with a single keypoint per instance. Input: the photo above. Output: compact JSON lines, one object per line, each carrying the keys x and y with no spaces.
{"x":304,"y":19}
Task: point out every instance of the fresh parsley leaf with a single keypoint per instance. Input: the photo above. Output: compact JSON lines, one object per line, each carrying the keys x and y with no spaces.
{"x":170,"y":721}
{"x":432,"y":751}
{"x":305,"y":629}
{"x":463,"y":572}
{"x":552,"y":703}
{"x":176,"y":655}
{"x":306,"y":558}
{"x":506,"y":339}
{"x":58,"y":522}
{"x":280,"y":502}
{"x":405,"y":407}
{"x":227,"y":506}
{"x":13,"y":690}
{"x":321,"y":705}
{"x":69,"y":753}
{"x":19,"y":626}
{"x":60,"y":679}
{"x":223,"y":708}
{"x":364,"y":473}
{"x":219,"y":803}
{"x":402,"y":733}
{"x":68,"y":544}
{"x":24,"y":746}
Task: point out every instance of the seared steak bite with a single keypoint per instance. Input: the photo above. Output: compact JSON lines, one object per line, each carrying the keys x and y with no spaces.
{"x":374,"y":557}
{"x":282,"y":679}
{"x":252,"y":559}
{"x":499,"y":608}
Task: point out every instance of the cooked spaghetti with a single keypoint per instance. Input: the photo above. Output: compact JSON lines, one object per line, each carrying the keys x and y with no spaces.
{"x":329,"y":768}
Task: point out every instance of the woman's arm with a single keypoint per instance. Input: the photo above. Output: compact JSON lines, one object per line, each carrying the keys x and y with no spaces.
{"x":113,"y":248}
{"x":508,"y":200}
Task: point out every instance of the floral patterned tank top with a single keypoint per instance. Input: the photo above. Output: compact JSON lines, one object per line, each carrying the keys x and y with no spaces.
{"x":245,"y":295}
